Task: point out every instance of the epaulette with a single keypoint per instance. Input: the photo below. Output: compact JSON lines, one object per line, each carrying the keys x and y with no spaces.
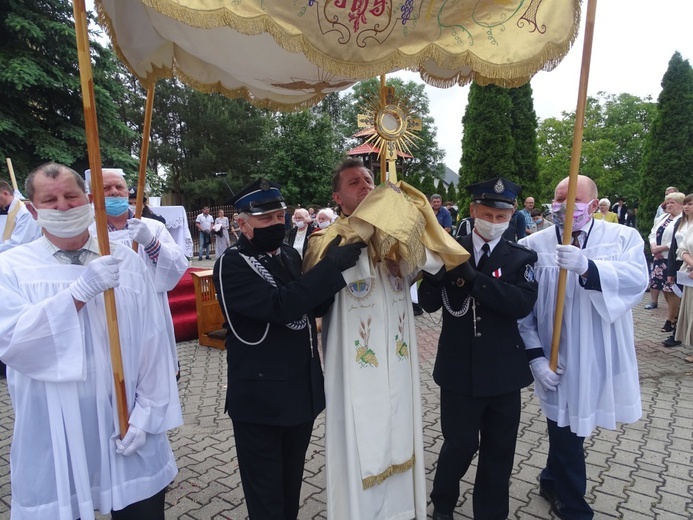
{"x":519,"y":246}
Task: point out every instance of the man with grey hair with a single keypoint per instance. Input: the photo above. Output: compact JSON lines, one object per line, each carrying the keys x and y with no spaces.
{"x":68,"y":456}
{"x":442,"y":214}
{"x":596,"y":382}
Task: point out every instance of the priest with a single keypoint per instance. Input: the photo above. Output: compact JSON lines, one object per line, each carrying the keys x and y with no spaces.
{"x":374,"y":435}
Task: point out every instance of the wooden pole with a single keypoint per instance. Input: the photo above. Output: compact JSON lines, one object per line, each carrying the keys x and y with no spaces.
{"x":12,"y":177}
{"x":141,"y":181}
{"x":574,"y":172}
{"x":383,"y":152}
{"x":92,"y":131}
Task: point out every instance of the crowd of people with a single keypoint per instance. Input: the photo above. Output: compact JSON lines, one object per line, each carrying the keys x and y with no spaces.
{"x":365,"y":278}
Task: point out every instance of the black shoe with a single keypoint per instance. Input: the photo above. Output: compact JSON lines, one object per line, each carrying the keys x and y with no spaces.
{"x":552,"y":498}
{"x":668,"y":327}
{"x":671,"y":342}
{"x":418,"y":311}
{"x":199,"y":259}
{"x":437,"y":515}
{"x":208,"y":258}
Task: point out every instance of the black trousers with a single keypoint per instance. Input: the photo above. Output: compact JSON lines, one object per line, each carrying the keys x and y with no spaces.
{"x":151,"y":508}
{"x":470,"y":424}
{"x":271,"y":460}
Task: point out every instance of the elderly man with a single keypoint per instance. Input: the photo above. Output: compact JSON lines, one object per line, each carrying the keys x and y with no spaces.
{"x":442,"y":213}
{"x":165,"y":261}
{"x":374,"y":443}
{"x":15,"y":220}
{"x":481,"y":364}
{"x":596,"y":384}
{"x":275,"y":383}
{"x":527,"y":213}
{"x":67,"y":458}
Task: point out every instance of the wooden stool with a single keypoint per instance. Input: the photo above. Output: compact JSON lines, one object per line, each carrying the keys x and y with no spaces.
{"x":210,"y":332}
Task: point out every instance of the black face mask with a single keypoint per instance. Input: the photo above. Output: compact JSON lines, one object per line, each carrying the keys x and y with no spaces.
{"x":268,"y":238}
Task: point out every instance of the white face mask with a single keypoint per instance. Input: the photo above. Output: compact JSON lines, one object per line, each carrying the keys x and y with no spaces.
{"x":66,"y":224}
{"x":300,"y":224}
{"x":324,"y":224}
{"x":488,"y":230}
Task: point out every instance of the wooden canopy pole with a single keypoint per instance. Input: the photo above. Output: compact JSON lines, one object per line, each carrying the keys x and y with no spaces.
{"x":574,"y":172}
{"x":12,"y":177}
{"x":141,"y":180}
{"x":92,"y":131}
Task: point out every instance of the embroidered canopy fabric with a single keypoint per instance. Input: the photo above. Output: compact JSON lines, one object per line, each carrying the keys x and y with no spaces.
{"x":291,"y":53}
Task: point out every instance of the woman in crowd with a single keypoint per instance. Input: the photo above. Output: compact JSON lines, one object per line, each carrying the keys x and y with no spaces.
{"x":221,"y":233}
{"x":234,"y":230}
{"x":604,"y":212}
{"x":325,"y":217}
{"x":683,"y":238}
{"x":660,"y":242}
{"x":298,"y":235}
{"x":539,"y":219}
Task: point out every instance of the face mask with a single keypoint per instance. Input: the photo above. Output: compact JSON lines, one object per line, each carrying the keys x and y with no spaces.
{"x":488,"y":230}
{"x":300,"y":224}
{"x":116,"y":206}
{"x":581,"y":215}
{"x":268,"y":238}
{"x":538,"y":220}
{"x":132,"y":208}
{"x":324,"y":224}
{"x":65,"y":224}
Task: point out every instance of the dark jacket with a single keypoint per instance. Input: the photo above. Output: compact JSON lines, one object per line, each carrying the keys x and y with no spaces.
{"x":291,"y":236}
{"x":277,"y":379}
{"x":489,"y":359}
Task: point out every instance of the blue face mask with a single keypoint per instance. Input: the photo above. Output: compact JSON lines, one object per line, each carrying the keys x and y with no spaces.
{"x":116,"y":206}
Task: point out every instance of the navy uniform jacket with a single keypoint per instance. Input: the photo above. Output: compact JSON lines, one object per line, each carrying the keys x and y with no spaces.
{"x":489,"y":360}
{"x":277,"y":381}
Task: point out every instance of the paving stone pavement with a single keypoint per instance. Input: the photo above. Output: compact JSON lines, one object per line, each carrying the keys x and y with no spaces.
{"x":639,"y":471}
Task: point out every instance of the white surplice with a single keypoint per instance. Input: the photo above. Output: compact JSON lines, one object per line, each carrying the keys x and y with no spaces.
{"x":25,"y":227}
{"x":166,"y":272}
{"x":374,"y":431}
{"x":63,"y":456}
{"x":600,"y":385}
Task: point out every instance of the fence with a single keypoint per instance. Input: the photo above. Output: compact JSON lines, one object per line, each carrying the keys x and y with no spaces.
{"x":192,"y":215}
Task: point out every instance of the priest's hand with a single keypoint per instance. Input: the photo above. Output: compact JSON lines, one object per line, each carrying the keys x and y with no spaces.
{"x":543,"y":375}
{"x":100,"y":274}
{"x":345,"y":256}
{"x":134,"y":439}
{"x":139,"y":232}
{"x":571,"y":258}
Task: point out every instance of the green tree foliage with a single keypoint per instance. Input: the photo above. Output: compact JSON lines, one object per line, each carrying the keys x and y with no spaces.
{"x":614,"y":135}
{"x":304,"y":150}
{"x":196,"y":135}
{"x":524,"y":134}
{"x":428,"y":186}
{"x":487,"y":143}
{"x":428,"y":157}
{"x":668,"y":158}
{"x":452,"y":193}
{"x":41,"y":117}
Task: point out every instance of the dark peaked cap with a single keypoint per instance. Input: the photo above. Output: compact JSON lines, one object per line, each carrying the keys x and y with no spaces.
{"x":259,"y":197}
{"x":495,"y":193}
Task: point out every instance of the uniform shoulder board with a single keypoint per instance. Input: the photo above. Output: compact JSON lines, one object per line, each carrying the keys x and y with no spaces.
{"x":519,"y":246}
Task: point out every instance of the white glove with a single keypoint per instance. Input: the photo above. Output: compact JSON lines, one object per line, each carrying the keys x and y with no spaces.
{"x":543,"y":375}
{"x":134,"y":439}
{"x":139,"y":232}
{"x":571,"y":258}
{"x":100,"y":274}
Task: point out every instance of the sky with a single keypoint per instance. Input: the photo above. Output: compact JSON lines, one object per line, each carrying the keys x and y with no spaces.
{"x":633,"y":43}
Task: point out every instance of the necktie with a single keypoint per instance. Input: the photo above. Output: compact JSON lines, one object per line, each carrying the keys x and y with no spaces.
{"x":3,"y":211}
{"x":485,"y":249}
{"x":72,"y":257}
{"x":576,"y":238}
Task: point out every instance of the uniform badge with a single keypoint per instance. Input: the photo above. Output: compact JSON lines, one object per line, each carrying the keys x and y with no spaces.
{"x":499,"y":187}
{"x":264,"y":185}
{"x":529,"y":273}
{"x":497,"y":273}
